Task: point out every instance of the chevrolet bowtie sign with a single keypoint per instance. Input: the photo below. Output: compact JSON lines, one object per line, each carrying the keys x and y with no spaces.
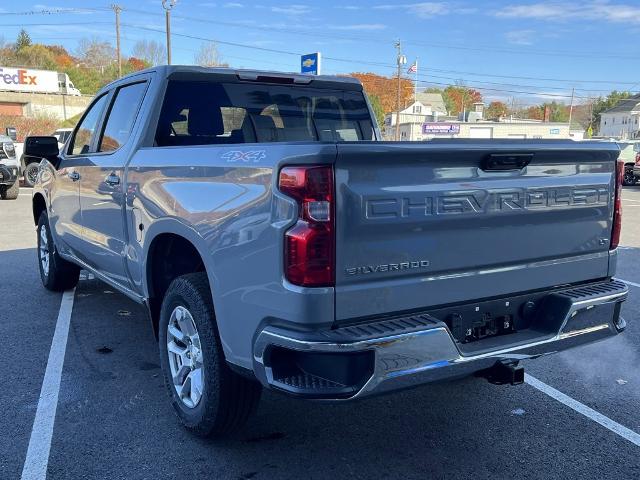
{"x":310,"y":63}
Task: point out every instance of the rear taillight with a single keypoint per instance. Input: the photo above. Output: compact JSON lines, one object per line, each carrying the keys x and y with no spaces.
{"x":309,"y":258}
{"x":617,"y":206}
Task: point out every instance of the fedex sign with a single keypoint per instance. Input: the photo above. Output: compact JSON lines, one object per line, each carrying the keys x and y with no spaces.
{"x":19,"y":78}
{"x":28,"y":80}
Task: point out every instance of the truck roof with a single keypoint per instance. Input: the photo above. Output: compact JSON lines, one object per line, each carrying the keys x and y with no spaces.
{"x":248,"y":75}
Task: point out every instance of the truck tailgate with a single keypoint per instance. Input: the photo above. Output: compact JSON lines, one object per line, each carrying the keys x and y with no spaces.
{"x":426,"y":224}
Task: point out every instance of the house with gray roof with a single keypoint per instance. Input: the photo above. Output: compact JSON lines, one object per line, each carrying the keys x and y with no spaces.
{"x":623,"y":120}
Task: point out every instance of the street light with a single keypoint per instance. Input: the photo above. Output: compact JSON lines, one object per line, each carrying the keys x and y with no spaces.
{"x":168,"y":5}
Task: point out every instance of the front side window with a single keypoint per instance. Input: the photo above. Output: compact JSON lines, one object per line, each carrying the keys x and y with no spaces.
{"x":122,"y":116}
{"x":81,"y":142}
{"x":206,"y":113}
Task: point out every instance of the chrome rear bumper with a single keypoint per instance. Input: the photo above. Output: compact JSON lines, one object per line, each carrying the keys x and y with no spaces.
{"x":418,"y":349}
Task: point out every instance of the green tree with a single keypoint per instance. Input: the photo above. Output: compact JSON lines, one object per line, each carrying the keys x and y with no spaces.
{"x":378,"y":111}
{"x":23,"y":40}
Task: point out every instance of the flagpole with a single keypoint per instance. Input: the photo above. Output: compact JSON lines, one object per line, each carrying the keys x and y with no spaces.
{"x":415,"y":92}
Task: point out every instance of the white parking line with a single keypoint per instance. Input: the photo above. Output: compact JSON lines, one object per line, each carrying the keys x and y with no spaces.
{"x":35,"y":465}
{"x":633,"y":284}
{"x":590,"y":413}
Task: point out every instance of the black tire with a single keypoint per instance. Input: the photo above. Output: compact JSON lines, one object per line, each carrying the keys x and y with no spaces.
{"x":60,"y":275}
{"x":228,"y":399}
{"x":30,"y":174}
{"x":628,"y":179}
{"x":10,"y":193}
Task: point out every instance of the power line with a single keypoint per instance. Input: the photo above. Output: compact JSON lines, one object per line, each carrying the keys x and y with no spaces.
{"x":307,"y":32}
{"x":351,"y":61}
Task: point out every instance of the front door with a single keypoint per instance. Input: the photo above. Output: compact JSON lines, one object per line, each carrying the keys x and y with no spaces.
{"x":102,"y":189}
{"x":65,"y":218}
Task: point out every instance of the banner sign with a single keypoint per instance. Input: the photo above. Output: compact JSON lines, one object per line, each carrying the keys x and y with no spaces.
{"x":437,"y":128}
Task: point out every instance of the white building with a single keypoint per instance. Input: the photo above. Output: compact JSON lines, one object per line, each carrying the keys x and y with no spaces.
{"x":427,"y":107}
{"x":622,"y":121}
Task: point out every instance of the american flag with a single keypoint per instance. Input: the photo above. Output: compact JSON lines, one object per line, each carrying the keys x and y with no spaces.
{"x":413,"y":68}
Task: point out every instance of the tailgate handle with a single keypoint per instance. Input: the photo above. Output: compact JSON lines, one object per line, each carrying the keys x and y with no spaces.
{"x":507,"y":161}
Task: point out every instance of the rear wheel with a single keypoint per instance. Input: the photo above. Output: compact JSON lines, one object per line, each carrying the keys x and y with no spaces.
{"x":209,"y":398}
{"x":10,"y":193}
{"x":31,"y":174}
{"x":55,"y":272}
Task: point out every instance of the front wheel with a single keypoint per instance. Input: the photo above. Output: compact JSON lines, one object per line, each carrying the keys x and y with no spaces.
{"x":31,"y":174}
{"x":628,"y":178}
{"x":209,"y":398}
{"x":55,"y":272}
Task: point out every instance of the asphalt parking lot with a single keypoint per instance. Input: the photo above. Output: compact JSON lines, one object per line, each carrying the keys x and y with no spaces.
{"x":113,"y":419}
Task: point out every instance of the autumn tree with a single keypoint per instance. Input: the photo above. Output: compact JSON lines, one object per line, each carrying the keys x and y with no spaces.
{"x":458,"y":98}
{"x":151,"y":51}
{"x":386,"y":89}
{"x":36,"y":56}
{"x":496,"y":109}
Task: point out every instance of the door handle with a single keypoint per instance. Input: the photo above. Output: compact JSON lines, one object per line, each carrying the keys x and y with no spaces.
{"x":75,"y":176}
{"x":112,"y":180}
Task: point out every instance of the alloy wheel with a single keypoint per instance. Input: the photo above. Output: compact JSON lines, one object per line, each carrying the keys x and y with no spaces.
{"x":185,"y":357}
{"x":44,"y":251}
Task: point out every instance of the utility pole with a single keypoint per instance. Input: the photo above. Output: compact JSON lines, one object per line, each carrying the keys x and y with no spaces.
{"x":168,"y":5}
{"x":117,"y":9}
{"x":401,"y":60}
{"x":571,"y":109}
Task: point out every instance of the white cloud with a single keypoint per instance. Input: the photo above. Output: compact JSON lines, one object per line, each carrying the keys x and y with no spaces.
{"x":601,"y":10}
{"x":233,"y":5}
{"x":359,"y":26}
{"x":349,"y":7}
{"x":422,"y":9}
{"x":520,"y":37}
{"x":292,"y":9}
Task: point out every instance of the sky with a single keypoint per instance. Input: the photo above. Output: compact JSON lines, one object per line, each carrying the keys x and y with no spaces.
{"x":530,"y":51}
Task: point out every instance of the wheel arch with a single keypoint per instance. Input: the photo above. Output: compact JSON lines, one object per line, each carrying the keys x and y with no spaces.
{"x":172,"y":249}
{"x":38,"y":205}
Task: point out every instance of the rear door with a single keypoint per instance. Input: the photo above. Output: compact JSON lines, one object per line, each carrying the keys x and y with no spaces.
{"x":420,"y":225}
{"x":102,"y":193}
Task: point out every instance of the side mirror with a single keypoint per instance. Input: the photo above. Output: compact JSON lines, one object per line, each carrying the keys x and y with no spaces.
{"x":41,"y":147}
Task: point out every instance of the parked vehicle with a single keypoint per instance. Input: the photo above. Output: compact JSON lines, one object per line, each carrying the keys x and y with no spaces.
{"x":9,"y":170}
{"x":31,"y":164}
{"x":636,"y":166}
{"x":277,"y":243}
{"x":62,"y":134}
{"x":36,"y":81}
{"x":628,"y":153}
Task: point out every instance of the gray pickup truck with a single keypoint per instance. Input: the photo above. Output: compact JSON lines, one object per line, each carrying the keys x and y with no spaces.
{"x":277,"y":243}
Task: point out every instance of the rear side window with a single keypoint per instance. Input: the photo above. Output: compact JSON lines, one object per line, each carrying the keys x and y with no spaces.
{"x":122,"y":116}
{"x":206,"y":113}
{"x":81,"y":143}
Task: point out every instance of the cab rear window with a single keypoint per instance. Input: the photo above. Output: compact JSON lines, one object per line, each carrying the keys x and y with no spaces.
{"x":205,"y":113}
